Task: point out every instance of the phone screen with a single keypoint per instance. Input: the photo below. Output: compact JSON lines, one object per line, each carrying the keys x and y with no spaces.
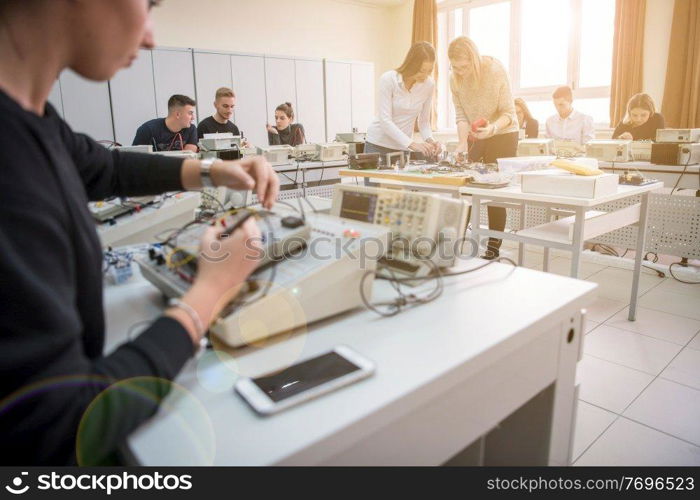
{"x":304,"y":376}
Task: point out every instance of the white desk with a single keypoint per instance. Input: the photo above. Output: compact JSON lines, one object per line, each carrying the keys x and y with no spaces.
{"x":318,"y":171}
{"x":569,"y":233}
{"x":448,"y":373}
{"x":143,"y":226}
{"x":311,"y":171}
{"x":668,"y":174}
{"x":410,"y":180}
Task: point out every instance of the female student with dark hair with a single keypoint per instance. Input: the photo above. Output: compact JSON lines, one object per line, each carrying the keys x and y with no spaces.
{"x":405,"y":94}
{"x":52,"y":331}
{"x":525,"y":120}
{"x":485,"y":115}
{"x":641,"y":120}
{"x":284,"y":131}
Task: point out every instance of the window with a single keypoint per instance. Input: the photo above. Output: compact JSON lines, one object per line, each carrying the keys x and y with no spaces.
{"x":543,"y":43}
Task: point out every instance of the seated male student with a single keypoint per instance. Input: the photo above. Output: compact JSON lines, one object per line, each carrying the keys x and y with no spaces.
{"x":220,"y":122}
{"x":568,"y":124}
{"x":176,"y":132}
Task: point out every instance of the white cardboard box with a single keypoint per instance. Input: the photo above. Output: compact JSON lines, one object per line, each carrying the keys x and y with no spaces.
{"x":561,"y":183}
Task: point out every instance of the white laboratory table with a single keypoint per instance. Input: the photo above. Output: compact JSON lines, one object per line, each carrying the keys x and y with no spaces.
{"x":303,"y":174}
{"x":569,"y":233}
{"x":668,"y":174}
{"x":393,"y":178}
{"x":455,"y":379}
{"x":143,"y":226}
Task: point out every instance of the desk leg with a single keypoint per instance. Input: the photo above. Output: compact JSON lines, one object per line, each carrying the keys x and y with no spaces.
{"x":303,"y":182}
{"x":641,"y":241}
{"x":476,"y":218}
{"x":545,"y":250}
{"x":521,"y":246}
{"x":565,"y":394}
{"x":577,"y":244}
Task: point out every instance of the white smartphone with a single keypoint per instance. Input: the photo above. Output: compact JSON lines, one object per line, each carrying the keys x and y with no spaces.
{"x":305,"y":380}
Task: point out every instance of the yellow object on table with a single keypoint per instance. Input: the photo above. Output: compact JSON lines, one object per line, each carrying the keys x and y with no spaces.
{"x":576,"y":168}
{"x":439,"y":178}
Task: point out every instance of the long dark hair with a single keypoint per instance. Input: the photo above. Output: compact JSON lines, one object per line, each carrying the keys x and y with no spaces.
{"x":523,"y":106}
{"x":419,"y":53}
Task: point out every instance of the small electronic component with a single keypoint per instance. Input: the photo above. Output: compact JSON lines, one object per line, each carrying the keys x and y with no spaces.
{"x":364,"y":161}
{"x":118,"y":266}
{"x":635,"y":179}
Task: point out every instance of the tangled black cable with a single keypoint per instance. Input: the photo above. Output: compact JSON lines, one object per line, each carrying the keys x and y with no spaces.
{"x":201,"y":219}
{"x":320,"y":181}
{"x":412,"y":300}
{"x":237,"y":302}
{"x":299,"y":210}
{"x":606,"y":250}
{"x":218,"y":202}
{"x":656,"y":257}
{"x":685,"y":169}
{"x":313,"y":208}
{"x":403,"y":300}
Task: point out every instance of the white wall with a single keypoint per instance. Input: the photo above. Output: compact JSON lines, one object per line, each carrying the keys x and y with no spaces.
{"x":402,"y":27}
{"x":344,"y":29}
{"x":337,"y":29}
{"x":657,"y":36}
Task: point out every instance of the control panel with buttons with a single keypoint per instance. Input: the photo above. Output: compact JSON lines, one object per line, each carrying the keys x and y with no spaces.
{"x":424,"y":226}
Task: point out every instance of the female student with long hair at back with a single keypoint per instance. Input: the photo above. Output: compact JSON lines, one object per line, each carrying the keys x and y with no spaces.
{"x":526,"y":122}
{"x":285,"y":130}
{"x":641,"y":120}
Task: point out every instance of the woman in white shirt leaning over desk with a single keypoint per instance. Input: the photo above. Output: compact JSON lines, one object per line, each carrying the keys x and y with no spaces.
{"x":404,"y":95}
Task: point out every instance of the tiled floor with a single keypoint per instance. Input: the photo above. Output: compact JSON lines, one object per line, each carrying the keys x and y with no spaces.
{"x":639,"y":381}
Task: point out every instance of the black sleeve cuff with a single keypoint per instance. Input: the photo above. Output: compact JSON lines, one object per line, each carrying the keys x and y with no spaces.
{"x":168,"y":344}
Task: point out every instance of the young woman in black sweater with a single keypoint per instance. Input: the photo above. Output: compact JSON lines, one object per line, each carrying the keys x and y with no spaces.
{"x":284,"y":131}
{"x":641,"y":120}
{"x":52,"y":330}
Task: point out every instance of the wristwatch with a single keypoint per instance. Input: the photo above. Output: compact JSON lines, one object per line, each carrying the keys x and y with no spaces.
{"x":205,"y":172}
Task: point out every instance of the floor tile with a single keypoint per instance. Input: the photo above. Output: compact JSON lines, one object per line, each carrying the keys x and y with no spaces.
{"x":632,"y":444}
{"x":531,"y":260}
{"x":562,"y":267}
{"x":609,"y":385}
{"x":695,"y":343}
{"x":603,"y":309}
{"x":657,"y":324}
{"x":675,"y":286}
{"x":671,"y":302}
{"x":590,"y":325}
{"x":591,"y":421}
{"x":669,"y":407}
{"x":616,"y":283}
{"x":630,"y":349}
{"x":685,"y":369}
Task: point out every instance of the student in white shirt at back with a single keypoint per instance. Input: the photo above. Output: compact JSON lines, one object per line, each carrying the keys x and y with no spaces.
{"x":405,"y":96}
{"x":568,"y":124}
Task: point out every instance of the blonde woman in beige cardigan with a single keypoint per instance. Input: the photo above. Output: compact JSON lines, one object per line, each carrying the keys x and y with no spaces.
{"x":487,"y":124}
